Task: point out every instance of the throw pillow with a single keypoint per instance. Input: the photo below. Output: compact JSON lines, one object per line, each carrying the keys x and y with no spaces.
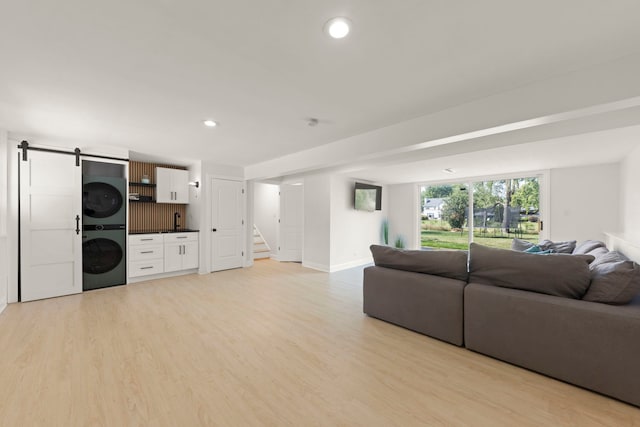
{"x":535,"y":249}
{"x":452,"y":264}
{"x":616,"y":282}
{"x":560,"y":275}
{"x":598,"y":252}
{"x":520,"y":245}
{"x":607,"y":257}
{"x":587,"y":246}
{"x":559,"y":247}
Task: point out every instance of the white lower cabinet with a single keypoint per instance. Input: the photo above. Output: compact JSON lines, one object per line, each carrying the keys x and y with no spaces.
{"x":146,"y":254}
{"x":162,"y":253}
{"x":180,"y":251}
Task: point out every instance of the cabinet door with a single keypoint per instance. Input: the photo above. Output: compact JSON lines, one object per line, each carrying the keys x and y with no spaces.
{"x":164,"y":190}
{"x":172,"y":186}
{"x":190,"y":255}
{"x":172,"y":257}
{"x":180,"y":184}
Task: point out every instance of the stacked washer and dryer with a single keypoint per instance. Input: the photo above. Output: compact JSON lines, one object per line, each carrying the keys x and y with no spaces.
{"x":104,"y":219}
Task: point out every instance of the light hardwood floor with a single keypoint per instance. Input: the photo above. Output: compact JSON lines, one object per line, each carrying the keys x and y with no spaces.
{"x":274,"y":344}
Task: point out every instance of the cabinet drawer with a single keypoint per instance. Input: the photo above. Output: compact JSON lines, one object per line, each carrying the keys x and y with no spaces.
{"x":180,"y":237}
{"x":145,"y":239}
{"x":145,"y":252}
{"x":144,"y":268}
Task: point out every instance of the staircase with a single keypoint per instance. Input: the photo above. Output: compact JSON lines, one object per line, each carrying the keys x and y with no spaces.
{"x":260,"y":247}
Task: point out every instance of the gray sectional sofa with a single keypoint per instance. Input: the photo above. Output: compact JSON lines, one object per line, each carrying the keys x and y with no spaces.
{"x":526,"y":309}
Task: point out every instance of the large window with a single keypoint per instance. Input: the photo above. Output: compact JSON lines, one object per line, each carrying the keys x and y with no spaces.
{"x":502,"y":209}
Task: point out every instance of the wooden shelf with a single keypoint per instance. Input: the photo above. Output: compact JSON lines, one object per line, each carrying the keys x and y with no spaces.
{"x":140,"y":184}
{"x":142,"y":201}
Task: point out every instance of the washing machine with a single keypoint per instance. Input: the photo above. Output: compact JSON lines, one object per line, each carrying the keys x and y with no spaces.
{"x":104,"y":200}
{"x":104,"y":257}
{"x":104,"y":235}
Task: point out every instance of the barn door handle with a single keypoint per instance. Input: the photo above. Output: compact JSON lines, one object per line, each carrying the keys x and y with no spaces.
{"x":77,"y":224}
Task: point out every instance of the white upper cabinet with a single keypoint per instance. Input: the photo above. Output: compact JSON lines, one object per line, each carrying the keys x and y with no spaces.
{"x":172,"y":185}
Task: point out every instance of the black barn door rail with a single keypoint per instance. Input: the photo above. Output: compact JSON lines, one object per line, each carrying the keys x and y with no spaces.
{"x":24,"y":146}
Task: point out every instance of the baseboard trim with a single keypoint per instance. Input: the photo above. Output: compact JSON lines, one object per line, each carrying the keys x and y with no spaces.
{"x":161,"y":276}
{"x":351,"y":264}
{"x":314,"y":266}
{"x":2,"y":307}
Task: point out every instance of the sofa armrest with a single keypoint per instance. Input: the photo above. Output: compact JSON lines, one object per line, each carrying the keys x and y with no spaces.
{"x":431,"y":305}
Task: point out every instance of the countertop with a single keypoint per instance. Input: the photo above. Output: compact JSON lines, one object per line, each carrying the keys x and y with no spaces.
{"x":179,"y":230}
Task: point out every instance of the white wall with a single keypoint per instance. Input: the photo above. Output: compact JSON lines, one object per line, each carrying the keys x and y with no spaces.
{"x":195,"y":212}
{"x":404,"y":214}
{"x":317,"y":222}
{"x":4,"y":211}
{"x":585,"y":202}
{"x":266,"y":203}
{"x":630,"y":196}
{"x":352,"y":231}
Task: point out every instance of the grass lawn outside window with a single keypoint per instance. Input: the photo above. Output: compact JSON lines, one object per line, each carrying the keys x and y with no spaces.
{"x":438,"y":234}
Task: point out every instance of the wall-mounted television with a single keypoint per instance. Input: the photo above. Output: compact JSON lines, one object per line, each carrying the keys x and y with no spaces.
{"x":368,"y":197}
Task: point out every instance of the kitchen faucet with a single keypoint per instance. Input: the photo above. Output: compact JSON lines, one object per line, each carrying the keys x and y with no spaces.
{"x":176,"y":215}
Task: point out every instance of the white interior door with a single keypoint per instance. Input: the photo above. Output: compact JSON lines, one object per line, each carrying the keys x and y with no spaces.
{"x":227,"y":222}
{"x":51,"y":248}
{"x":291,"y":223}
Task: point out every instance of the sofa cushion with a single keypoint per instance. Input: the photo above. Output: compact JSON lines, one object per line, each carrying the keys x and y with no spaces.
{"x":559,"y":247}
{"x":521,"y":245}
{"x":561,"y":275}
{"x":614,"y":279}
{"x":587,"y":246}
{"x":445,"y":263}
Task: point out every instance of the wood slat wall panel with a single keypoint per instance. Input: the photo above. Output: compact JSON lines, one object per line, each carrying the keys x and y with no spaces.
{"x":151,"y":216}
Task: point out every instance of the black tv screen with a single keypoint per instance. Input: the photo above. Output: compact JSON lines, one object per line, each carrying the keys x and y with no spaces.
{"x":368,"y":197}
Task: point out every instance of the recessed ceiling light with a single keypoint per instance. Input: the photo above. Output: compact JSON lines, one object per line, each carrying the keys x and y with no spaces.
{"x":338,"y":27}
{"x":210,"y":123}
{"x":448,"y":170}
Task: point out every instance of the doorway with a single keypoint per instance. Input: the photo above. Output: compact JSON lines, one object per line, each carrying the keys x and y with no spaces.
{"x":279,"y":217}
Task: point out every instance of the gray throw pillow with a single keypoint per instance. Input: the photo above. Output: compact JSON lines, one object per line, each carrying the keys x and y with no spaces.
{"x":614,"y":282}
{"x":587,"y":246}
{"x":561,"y":275}
{"x":606,"y":257}
{"x":521,"y":245}
{"x":559,"y":247}
{"x":598,"y":252}
{"x":452,"y":264}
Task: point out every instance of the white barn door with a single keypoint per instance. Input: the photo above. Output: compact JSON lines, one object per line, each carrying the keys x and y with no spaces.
{"x":291,"y":223}
{"x":50,"y":224}
{"x":227,"y":222}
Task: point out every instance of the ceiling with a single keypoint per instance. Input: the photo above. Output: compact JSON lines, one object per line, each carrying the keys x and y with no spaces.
{"x":143,"y":75}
